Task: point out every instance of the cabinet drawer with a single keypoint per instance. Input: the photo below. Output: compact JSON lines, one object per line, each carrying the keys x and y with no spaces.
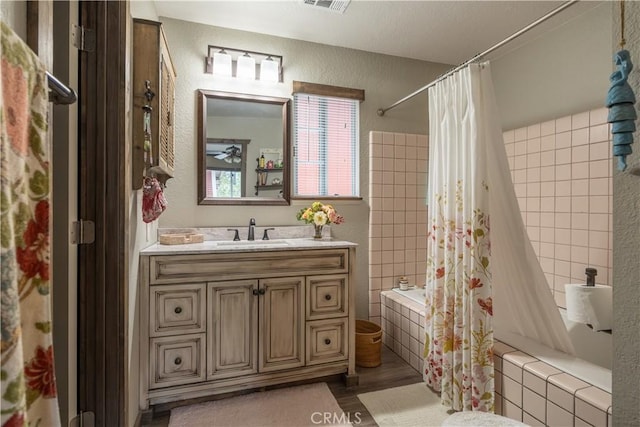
{"x":247,"y":265}
{"x":177,"y":360}
{"x":327,"y":296}
{"x":177,"y":309}
{"x":327,"y":341}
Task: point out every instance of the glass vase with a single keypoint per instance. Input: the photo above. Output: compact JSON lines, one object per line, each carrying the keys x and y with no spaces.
{"x":318,"y":231}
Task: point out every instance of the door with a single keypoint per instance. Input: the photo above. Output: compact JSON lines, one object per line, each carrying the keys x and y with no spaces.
{"x":232,"y":327}
{"x":103,"y":275}
{"x":281,"y":338}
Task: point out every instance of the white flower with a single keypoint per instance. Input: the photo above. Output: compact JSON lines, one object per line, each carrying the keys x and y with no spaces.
{"x":320,"y":218}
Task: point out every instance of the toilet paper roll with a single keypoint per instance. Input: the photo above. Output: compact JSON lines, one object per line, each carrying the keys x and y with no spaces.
{"x":591,"y":305}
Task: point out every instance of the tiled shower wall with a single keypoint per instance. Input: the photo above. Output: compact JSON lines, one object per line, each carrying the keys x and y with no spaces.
{"x":398,"y":217}
{"x":562,"y":174}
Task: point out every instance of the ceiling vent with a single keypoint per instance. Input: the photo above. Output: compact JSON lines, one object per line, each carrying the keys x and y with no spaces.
{"x":334,"y":5}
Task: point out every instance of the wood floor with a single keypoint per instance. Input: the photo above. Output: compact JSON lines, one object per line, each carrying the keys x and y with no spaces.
{"x":393,"y":372}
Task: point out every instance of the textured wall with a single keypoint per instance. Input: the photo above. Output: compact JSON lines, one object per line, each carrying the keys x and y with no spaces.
{"x":559,"y":73}
{"x":626,"y":256}
{"x":385,"y":79}
{"x":14,"y":14}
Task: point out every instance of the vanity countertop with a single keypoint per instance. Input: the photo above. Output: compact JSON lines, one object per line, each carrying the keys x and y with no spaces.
{"x":229,"y":246}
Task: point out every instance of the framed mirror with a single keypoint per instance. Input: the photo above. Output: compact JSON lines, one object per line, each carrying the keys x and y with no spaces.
{"x":243,"y":149}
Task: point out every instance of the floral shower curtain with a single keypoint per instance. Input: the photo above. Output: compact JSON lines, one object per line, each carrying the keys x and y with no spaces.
{"x":483,"y":275}
{"x":459,"y":342}
{"x":27,"y":374}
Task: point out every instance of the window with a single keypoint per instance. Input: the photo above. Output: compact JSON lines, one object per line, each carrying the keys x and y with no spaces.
{"x":326,"y":142}
{"x":224,"y":183}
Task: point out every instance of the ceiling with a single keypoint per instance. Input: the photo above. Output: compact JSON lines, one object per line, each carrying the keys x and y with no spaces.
{"x":448,"y":32}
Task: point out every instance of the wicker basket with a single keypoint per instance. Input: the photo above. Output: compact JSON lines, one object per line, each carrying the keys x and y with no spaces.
{"x":368,"y":344}
{"x":180,"y":239}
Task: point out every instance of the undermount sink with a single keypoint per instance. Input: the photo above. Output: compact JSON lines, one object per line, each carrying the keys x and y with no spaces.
{"x":257,"y":243}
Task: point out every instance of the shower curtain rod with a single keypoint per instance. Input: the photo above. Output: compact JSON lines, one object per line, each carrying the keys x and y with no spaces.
{"x":60,"y":93}
{"x":559,"y":9}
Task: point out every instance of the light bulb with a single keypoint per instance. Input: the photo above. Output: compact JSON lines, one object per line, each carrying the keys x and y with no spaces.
{"x":246,"y":67}
{"x":222,"y":63}
{"x":269,"y":70}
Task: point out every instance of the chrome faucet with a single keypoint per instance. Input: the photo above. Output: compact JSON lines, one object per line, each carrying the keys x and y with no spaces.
{"x":252,"y":227}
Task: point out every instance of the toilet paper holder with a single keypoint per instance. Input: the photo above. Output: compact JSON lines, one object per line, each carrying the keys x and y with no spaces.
{"x":590,"y":304}
{"x":591,"y":276}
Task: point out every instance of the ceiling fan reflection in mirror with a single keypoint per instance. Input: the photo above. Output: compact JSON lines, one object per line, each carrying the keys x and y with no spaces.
{"x":231,"y":154}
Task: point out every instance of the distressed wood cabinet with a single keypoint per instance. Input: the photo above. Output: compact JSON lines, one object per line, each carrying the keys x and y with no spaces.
{"x":224,"y":321}
{"x":152,"y":63}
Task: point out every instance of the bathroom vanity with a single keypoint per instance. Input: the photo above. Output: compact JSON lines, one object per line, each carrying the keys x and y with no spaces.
{"x":222,"y":316}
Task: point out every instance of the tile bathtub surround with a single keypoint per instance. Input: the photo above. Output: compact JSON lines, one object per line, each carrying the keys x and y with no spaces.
{"x":537,"y":393}
{"x":403,"y":327}
{"x":398,"y":214}
{"x":527,"y":389}
{"x":562,"y":174}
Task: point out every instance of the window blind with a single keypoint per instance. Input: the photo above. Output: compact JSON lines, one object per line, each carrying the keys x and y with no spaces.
{"x":325,"y":155}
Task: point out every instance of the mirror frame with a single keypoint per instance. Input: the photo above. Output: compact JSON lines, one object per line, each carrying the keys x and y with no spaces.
{"x":202,"y":96}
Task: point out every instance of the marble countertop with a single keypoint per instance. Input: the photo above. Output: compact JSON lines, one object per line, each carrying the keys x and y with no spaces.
{"x":220,"y":240}
{"x":226,"y":246}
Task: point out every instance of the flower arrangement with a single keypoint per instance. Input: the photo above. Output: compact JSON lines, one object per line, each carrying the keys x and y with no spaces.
{"x":319,"y":215}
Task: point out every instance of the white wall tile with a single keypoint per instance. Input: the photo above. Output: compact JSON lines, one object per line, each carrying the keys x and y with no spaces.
{"x":510,"y":410}
{"x":557,"y":416}
{"x":534,"y":404}
{"x":533,"y":131}
{"x":580,"y":187}
{"x":599,"y":133}
{"x":580,"y":120}
{"x":598,"y":116}
{"x":520,"y":134}
{"x":560,"y":397}
{"x":563,"y":124}
{"x":548,"y":128}
{"x":580,"y":154}
{"x":512,"y":390}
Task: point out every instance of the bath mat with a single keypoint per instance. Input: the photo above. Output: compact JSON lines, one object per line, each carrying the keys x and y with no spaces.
{"x":306,"y":405}
{"x":409,"y":405}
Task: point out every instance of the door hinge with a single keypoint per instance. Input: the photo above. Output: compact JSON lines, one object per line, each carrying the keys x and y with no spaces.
{"x":84,"y":39}
{"x":83,"y":419}
{"x":83,"y":232}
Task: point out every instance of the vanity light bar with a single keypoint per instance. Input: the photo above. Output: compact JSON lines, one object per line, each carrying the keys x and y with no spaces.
{"x":225,"y":61}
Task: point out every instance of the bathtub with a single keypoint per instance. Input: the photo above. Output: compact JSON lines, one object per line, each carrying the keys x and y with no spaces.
{"x":534,"y":384}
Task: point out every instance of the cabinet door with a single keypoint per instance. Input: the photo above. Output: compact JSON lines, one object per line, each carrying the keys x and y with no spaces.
{"x":327,"y":341}
{"x":281,"y":339}
{"x":166,"y":146}
{"x":176,"y":360}
{"x":327,"y":296}
{"x":176,"y":309}
{"x":232,"y":328}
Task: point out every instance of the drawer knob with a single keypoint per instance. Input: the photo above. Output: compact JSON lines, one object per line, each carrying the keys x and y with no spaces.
{"x":327,"y":297}
{"x":177,"y":361}
{"x":178,"y":310}
{"x":327,"y":341}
